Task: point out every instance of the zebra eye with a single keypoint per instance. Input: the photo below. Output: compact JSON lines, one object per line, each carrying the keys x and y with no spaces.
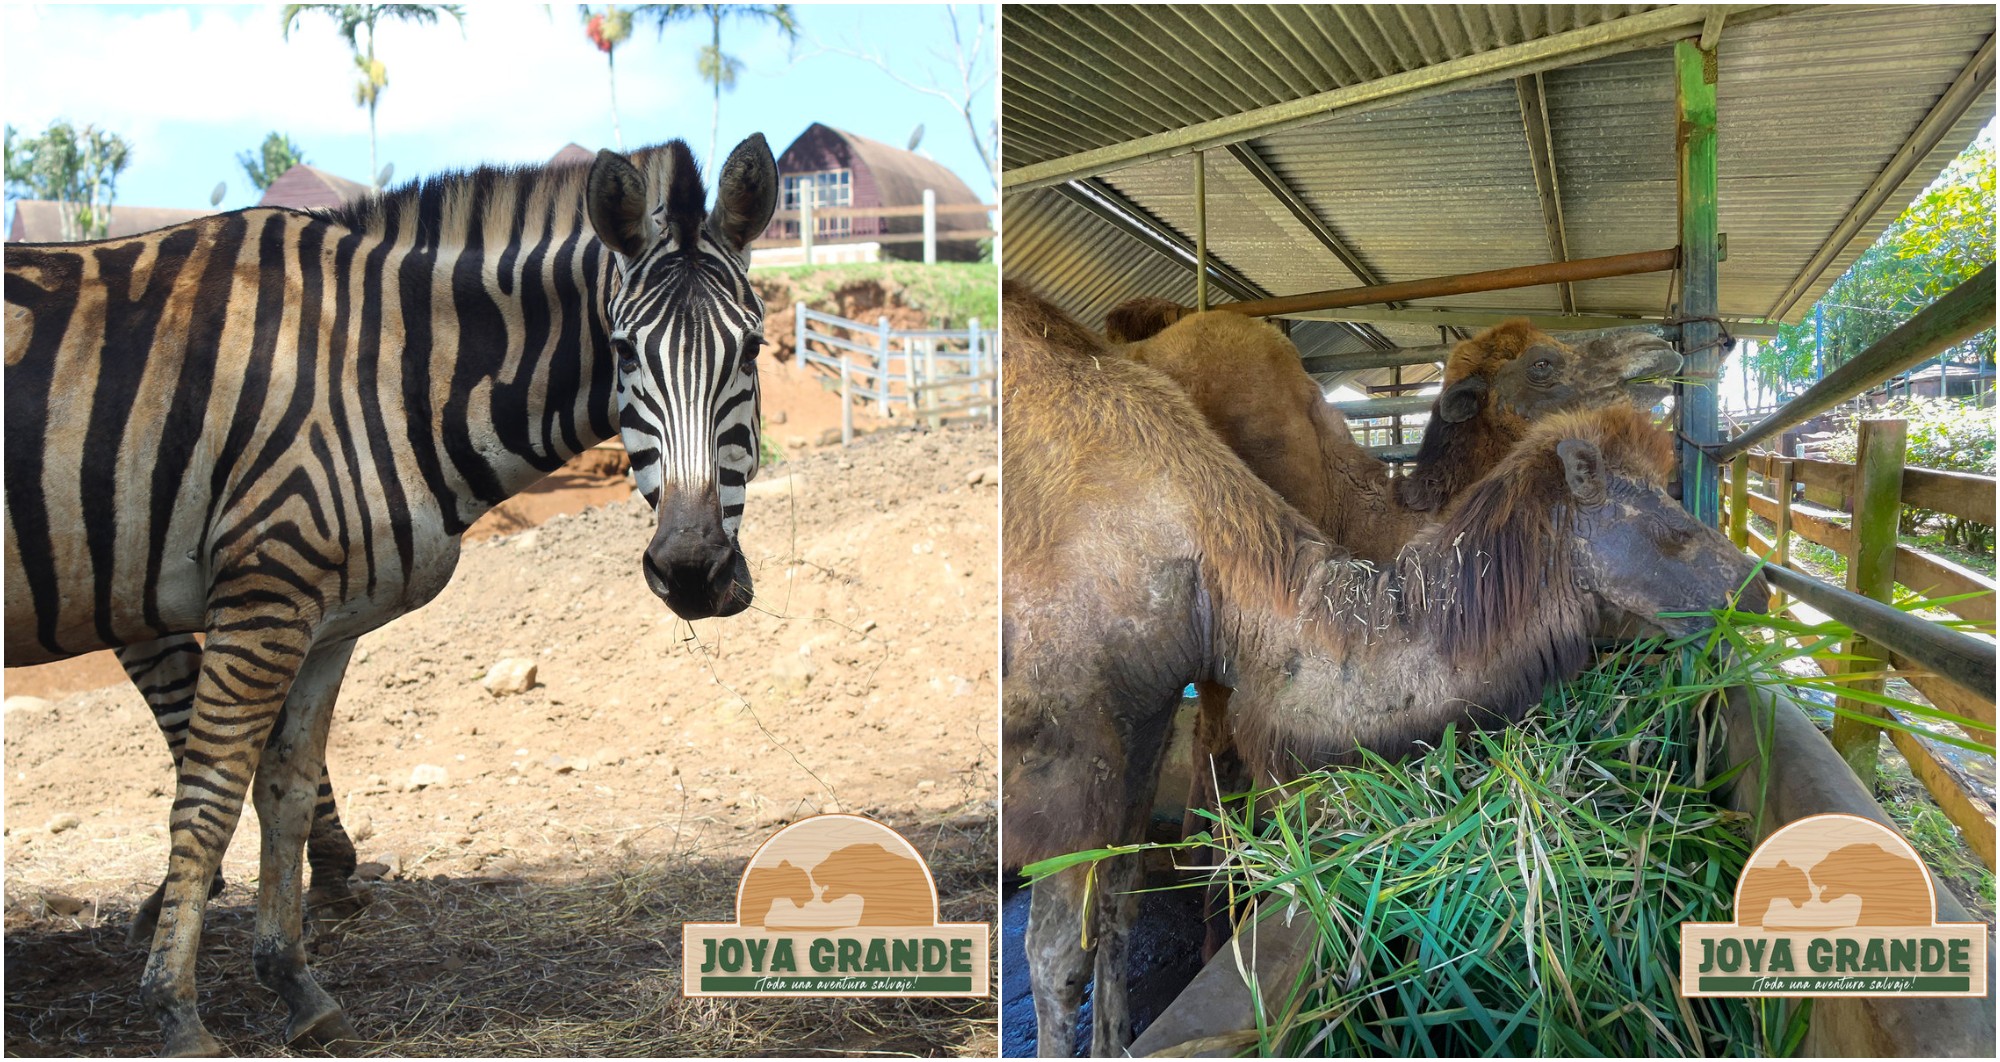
{"x":628,"y":355}
{"x":751,"y":344}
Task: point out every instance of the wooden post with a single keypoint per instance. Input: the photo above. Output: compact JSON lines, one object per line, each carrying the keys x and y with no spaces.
{"x":930,"y":226}
{"x":882,"y":364}
{"x":1694,"y":82}
{"x":1871,"y":572}
{"x":846,"y":401}
{"x":1739,"y":501}
{"x":1201,"y":230}
{"x":807,"y":192}
{"x":1787,"y":476}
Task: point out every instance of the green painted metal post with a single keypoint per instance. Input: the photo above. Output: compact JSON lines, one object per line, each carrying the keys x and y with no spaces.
{"x":1739,"y":501}
{"x":1871,"y":572}
{"x":1782,"y":536}
{"x":1694,"y":83}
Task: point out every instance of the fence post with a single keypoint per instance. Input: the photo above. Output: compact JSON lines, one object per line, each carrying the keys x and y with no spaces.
{"x":807,"y":193}
{"x":882,"y":364}
{"x":846,"y":401}
{"x":1787,"y":476}
{"x":799,"y":331}
{"x":930,"y":226}
{"x":931,"y":379}
{"x":1739,"y":500}
{"x":910,"y":377}
{"x":1871,"y":571}
{"x":976,"y":355}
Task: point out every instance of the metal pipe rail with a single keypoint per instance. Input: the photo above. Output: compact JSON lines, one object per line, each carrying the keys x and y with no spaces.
{"x":1963,"y":659}
{"x":1961,"y":313}
{"x":1617,"y":265}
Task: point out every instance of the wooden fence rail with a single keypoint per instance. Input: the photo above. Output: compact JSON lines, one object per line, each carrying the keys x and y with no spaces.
{"x":1874,"y":491}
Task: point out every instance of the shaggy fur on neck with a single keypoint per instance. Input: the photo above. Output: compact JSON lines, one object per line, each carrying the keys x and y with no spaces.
{"x":1489,"y":597}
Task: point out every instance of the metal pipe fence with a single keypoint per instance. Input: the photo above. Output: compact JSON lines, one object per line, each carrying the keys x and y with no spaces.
{"x":931,"y":373}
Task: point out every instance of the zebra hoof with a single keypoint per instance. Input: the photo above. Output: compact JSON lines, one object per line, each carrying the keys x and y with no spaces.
{"x":330,"y":1032}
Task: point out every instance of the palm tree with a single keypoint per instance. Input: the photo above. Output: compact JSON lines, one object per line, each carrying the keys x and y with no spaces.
{"x":271,"y":160}
{"x":716,"y":67}
{"x":608,"y":29}
{"x":351,"y":20}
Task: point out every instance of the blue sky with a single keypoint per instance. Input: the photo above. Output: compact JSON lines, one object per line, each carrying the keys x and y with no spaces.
{"x":192,"y":87}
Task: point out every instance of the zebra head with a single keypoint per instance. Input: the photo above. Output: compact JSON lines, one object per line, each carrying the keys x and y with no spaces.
{"x":685,"y":327}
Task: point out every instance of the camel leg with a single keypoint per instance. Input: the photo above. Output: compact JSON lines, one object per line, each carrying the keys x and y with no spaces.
{"x":287,"y":792}
{"x":1117,"y":912}
{"x":1214,"y":760}
{"x":1058,"y":961}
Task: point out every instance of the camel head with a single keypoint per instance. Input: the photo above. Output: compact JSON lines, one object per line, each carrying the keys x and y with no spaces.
{"x":1527,"y":373}
{"x":1502,"y":380}
{"x":1635,"y":548}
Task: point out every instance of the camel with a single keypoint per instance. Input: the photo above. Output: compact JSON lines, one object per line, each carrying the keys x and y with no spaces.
{"x":1246,"y":379}
{"x":1141,"y":554}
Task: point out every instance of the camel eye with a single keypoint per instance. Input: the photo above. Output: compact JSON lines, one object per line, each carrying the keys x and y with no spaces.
{"x":1542,"y":369}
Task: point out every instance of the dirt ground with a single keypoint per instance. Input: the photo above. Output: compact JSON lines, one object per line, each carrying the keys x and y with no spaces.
{"x":532,"y":900}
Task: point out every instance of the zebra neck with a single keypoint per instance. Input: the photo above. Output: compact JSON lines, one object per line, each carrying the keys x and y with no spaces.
{"x":520,"y":365}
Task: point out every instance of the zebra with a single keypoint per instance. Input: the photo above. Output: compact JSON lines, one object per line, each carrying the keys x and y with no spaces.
{"x":270,"y":428}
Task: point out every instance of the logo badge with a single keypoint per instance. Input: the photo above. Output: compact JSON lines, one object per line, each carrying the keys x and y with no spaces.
{"x":1834,"y":905}
{"x":835,"y":905}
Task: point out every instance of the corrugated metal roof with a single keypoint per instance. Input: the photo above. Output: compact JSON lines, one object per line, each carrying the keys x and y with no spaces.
{"x":1811,"y":107}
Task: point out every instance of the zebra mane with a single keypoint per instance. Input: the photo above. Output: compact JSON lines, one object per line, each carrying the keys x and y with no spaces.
{"x":443,"y":205}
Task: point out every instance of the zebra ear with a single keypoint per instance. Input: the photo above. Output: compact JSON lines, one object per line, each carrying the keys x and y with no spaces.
{"x":746,"y":195}
{"x":616,"y":198}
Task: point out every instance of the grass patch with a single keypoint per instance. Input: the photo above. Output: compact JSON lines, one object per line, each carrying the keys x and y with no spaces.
{"x":1516,"y":892}
{"x":952,"y":293}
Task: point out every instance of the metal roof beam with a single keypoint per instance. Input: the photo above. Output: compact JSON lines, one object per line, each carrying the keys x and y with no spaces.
{"x":1645,"y":30}
{"x":1128,"y":217}
{"x":1482,"y":318}
{"x":1971,"y":83}
{"x":1288,"y":197}
{"x":1548,"y":186}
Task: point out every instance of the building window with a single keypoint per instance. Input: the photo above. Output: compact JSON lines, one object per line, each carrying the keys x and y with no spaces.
{"x":830,"y":188}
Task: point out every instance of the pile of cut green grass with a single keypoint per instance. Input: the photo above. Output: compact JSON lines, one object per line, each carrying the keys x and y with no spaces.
{"x":1514,"y":892}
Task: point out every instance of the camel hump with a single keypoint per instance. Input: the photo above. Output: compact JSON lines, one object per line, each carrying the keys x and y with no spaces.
{"x":894,"y":889}
{"x":1894,"y":889}
{"x":1141,"y":318}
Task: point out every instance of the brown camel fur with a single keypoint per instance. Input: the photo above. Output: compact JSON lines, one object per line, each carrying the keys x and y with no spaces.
{"x":1141,"y":554}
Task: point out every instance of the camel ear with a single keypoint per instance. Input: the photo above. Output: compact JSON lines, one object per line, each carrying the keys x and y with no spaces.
{"x":1583,"y":468}
{"x":1460,"y":402}
{"x":747,"y":194}
{"x":616,"y":197}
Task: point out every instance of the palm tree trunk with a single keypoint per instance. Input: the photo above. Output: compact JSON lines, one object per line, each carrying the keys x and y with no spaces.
{"x":611,"y":71}
{"x":715,"y":107}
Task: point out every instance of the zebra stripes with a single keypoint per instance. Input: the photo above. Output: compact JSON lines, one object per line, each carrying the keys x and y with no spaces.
{"x":270,"y":427}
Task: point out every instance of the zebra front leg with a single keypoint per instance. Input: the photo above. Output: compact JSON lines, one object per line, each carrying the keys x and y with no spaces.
{"x":247,"y":669}
{"x":287,"y":792}
{"x":165,"y":671}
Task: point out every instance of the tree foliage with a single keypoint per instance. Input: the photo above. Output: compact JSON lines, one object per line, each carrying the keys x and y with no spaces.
{"x":1948,"y":434}
{"x":717,"y":68}
{"x":271,"y":160}
{"x":75,"y":168}
{"x":1937,"y":243}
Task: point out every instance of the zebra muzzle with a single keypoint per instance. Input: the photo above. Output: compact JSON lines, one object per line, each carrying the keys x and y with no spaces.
{"x":695,"y":567}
